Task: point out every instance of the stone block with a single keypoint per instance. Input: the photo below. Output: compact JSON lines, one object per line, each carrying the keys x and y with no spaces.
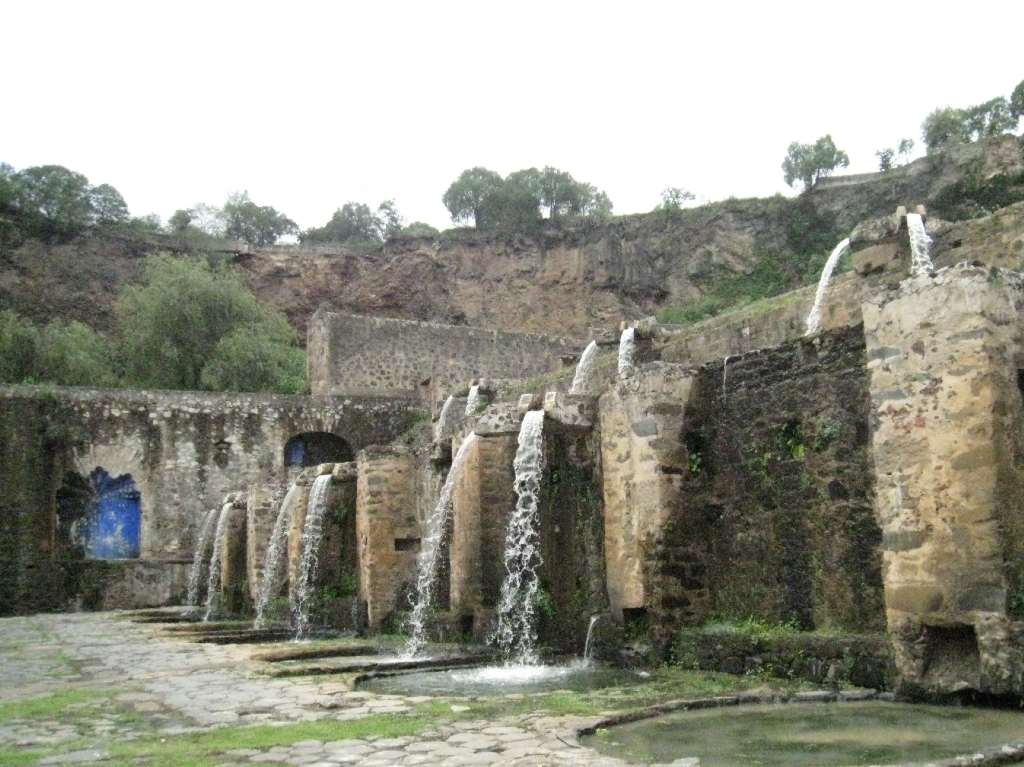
{"x":499,"y":418}
{"x":574,"y":410}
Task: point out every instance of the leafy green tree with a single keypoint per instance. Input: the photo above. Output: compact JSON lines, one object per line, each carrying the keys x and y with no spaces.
{"x":389,"y":220}
{"x":904,"y":148}
{"x":250,"y":359}
{"x":943,"y":127}
{"x":171,"y":325}
{"x":991,"y":118}
{"x":55,"y":200}
{"x":148,"y":224}
{"x":180,"y":221}
{"x":885,"y":158}
{"x":73,"y":354}
{"x":467,"y":197}
{"x":108,"y":206}
{"x":352,"y":221}
{"x":19,"y":348}
{"x":673,"y":198}
{"x":810,"y":162}
{"x":511,"y":207}
{"x":258,"y":225}
{"x":1017,"y":101}
{"x":418,"y":229}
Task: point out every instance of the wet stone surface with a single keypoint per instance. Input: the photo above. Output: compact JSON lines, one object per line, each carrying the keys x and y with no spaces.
{"x":118,"y":682}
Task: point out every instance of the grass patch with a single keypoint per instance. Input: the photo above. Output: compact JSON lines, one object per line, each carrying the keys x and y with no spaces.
{"x":59,"y":705}
{"x":755,"y":628}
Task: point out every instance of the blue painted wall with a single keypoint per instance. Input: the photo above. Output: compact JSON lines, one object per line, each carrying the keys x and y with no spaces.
{"x":113,"y":530}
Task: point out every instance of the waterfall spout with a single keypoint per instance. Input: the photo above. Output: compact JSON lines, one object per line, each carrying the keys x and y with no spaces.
{"x":213,"y":577}
{"x":201,"y":557}
{"x":474,"y":401}
{"x":584,"y":370}
{"x":590,"y":630}
{"x":813,"y":324}
{"x":276,"y":558}
{"x":920,"y":245}
{"x":426,"y":562}
{"x":627,"y":351}
{"x":309,"y":565}
{"x":516,"y":633}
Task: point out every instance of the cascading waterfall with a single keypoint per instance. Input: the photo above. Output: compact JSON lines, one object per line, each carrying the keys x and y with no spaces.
{"x":276,"y":557}
{"x":627,"y":351}
{"x":309,"y":565}
{"x":426,"y":562}
{"x":442,"y":417}
{"x":516,"y":633}
{"x":201,"y":557}
{"x":584,"y":369}
{"x":920,"y":245}
{"x":473,"y":401}
{"x":213,"y":578}
{"x":813,"y":324}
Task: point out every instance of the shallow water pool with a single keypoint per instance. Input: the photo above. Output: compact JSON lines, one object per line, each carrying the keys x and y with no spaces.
{"x":804,"y":734}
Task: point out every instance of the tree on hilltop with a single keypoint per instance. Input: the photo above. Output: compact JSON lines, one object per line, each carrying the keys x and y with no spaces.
{"x":467,"y":197}
{"x":810,"y":162}
{"x":258,"y":225}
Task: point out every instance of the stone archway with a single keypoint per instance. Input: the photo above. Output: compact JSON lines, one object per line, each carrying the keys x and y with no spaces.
{"x":315,"y":447}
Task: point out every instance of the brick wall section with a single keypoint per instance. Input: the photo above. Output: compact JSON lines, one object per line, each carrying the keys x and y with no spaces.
{"x":353,"y":355}
{"x":385,"y":513}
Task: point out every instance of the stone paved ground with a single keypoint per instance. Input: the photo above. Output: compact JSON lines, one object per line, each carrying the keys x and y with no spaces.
{"x":120,"y":683}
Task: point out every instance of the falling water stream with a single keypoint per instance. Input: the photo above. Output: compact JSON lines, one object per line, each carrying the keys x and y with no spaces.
{"x":590,"y":631}
{"x":627,"y":351}
{"x":813,"y":324}
{"x":473,"y":400}
{"x":584,"y":370}
{"x":276,"y":558}
{"x":213,"y":577}
{"x":920,"y":245}
{"x":430,"y":547}
{"x":309,"y":565}
{"x":516,"y":633}
{"x":201,"y":557}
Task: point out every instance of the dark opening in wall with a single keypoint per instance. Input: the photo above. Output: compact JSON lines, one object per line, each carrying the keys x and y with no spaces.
{"x":466,"y":624}
{"x":951,"y":654}
{"x":315,"y":447}
{"x":407,"y":544}
{"x":634,"y":620}
{"x":792,"y":437}
{"x":696,"y":452}
{"x":1020,"y":382}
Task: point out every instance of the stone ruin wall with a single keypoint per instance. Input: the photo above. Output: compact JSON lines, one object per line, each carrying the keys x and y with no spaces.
{"x":353,"y":355}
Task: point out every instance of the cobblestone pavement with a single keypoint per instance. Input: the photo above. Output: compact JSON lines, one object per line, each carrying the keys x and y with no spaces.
{"x":169,"y":686}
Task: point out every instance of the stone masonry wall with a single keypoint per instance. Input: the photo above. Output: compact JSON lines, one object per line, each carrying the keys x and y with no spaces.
{"x":370,"y":356}
{"x":945,"y":359}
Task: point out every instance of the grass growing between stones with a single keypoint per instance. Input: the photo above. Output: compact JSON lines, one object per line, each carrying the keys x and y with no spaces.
{"x":60,"y":705}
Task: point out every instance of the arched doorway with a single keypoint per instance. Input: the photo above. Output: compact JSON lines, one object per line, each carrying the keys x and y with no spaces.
{"x":315,"y":447}
{"x":101,"y":515}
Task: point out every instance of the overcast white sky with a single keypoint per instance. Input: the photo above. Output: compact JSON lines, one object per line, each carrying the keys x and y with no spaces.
{"x":309,"y":105}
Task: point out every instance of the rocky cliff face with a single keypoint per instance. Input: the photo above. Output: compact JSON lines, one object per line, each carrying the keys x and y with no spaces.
{"x":563,"y":281}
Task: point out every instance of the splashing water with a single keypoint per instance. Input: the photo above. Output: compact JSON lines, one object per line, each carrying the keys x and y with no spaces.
{"x":426,"y":562}
{"x":474,"y":401}
{"x":213,"y":578}
{"x":309,"y":565}
{"x":516,"y":633}
{"x":276,"y":557}
{"x":813,"y":324}
{"x":584,"y":369}
{"x":627,"y":351}
{"x":201,"y":557}
{"x":920,"y":245}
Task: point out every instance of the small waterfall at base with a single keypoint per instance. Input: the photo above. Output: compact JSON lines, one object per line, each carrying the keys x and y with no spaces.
{"x":590,"y":630}
{"x":309,"y":565}
{"x":426,"y":562}
{"x":813,"y":324}
{"x":584,"y":369}
{"x":201,"y":557}
{"x":627,"y":351}
{"x":213,"y":578}
{"x":276,"y":558}
{"x":920,"y":245}
{"x":442,"y":417}
{"x":473,"y":401}
{"x":516,"y":633}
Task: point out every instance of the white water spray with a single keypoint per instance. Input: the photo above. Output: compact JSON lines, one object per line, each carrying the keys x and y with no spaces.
{"x":627,"y":351}
{"x":920,"y":246}
{"x":813,"y":324}
{"x":201,"y":557}
{"x":584,"y":370}
{"x":516,"y":633}
{"x":213,"y":578}
{"x":309,"y":565}
{"x":276,"y":558}
{"x":590,"y":630}
{"x":474,"y":401}
{"x":430,"y":547}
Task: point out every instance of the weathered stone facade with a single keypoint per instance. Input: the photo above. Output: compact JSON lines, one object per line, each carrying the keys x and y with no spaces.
{"x":371,"y":356}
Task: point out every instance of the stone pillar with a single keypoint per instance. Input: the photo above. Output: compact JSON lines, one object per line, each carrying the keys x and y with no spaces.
{"x":261,"y":508}
{"x":643,"y":461}
{"x":483,"y":501}
{"x":947,"y":417}
{"x":387,"y":530}
{"x":233,"y":578}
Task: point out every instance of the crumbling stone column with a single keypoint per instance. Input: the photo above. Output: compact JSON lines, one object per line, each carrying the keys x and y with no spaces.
{"x":387,"y":530}
{"x":943,"y":355}
{"x":233,"y":576}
